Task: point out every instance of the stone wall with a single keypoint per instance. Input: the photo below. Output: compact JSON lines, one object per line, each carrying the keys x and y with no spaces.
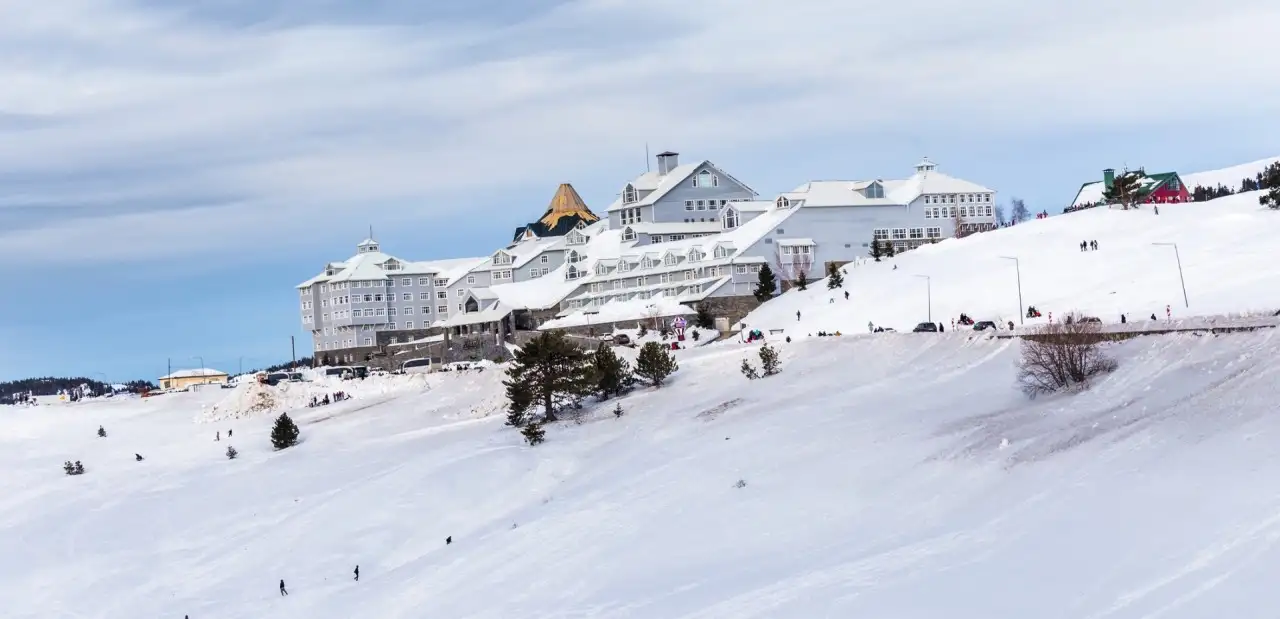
{"x":733,"y":308}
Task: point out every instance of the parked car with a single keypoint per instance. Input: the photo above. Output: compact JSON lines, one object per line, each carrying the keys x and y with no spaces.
{"x":1090,"y":319}
{"x":622,"y":339}
{"x":416,"y":366}
{"x":983,"y":325}
{"x":924,"y":327}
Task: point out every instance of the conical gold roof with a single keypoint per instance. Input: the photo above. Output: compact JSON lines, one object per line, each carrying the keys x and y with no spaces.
{"x":566,"y":202}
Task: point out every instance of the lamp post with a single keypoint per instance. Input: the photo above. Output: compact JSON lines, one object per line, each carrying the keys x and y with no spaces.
{"x":1018,"y":269}
{"x":1181,"y":280}
{"x":928,"y":289}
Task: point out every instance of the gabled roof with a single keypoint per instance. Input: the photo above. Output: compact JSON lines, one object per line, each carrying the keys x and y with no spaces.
{"x":1093,"y":192}
{"x":196,"y":373}
{"x":659,"y":186}
{"x":926,"y":180}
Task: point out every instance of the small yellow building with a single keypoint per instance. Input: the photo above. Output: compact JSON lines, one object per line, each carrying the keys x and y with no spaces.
{"x":186,"y":378}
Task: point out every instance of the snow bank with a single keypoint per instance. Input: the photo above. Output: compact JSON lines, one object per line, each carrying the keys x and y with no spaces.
{"x":1230,"y":177}
{"x":252,"y":398}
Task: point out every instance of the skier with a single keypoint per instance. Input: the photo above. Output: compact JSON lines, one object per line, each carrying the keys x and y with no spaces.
{"x":1083,"y":245}
{"x":282,"y":589}
{"x":138,"y":457}
{"x":1153,"y":316}
{"x":217,"y":436}
{"x":448,"y":540}
{"x":1156,"y":209}
{"x":228,"y":433}
{"x":846,"y":295}
{"x":895,"y":267}
{"x":1123,"y":320}
{"x":357,"y":573}
{"x":797,"y":315}
{"x":942,"y":330}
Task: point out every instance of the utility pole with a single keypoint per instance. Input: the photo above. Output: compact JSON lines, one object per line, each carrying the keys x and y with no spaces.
{"x":292,"y":349}
{"x":928,"y":289}
{"x":1018,"y":269}
{"x":1180,"y":278}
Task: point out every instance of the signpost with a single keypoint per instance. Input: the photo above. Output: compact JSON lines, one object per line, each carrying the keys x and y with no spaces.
{"x":678,"y":325}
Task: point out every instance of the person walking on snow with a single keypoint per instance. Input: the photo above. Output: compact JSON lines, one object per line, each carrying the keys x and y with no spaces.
{"x":797,"y":315}
{"x":217,"y":436}
{"x":871,"y":326}
{"x":283,"y":591}
{"x":846,"y":295}
{"x":357,"y":573}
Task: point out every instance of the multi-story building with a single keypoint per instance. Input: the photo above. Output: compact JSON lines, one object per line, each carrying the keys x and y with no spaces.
{"x":682,"y":234}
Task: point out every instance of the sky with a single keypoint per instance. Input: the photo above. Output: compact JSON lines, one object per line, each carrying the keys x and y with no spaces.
{"x":170,"y":170}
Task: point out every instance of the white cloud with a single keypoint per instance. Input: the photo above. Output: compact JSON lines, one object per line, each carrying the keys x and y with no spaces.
{"x":301,"y":124}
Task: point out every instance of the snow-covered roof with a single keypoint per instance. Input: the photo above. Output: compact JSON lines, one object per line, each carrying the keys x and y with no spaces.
{"x":366,"y":266}
{"x":196,"y":373}
{"x":752,"y":206}
{"x":660,"y":185}
{"x":523,"y":252}
{"x":616,"y":311}
{"x":926,"y":180}
{"x":493,"y":313}
{"x":794,"y":242}
{"x":677,"y":227}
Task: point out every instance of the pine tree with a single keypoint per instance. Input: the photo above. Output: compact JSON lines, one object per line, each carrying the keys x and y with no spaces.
{"x":1124,"y":189}
{"x":79,"y":468}
{"x":549,"y":371}
{"x":802,"y":281}
{"x":69,"y":468}
{"x":703,"y":319}
{"x":231,"y":452}
{"x":102,"y":433}
{"x":749,"y":371}
{"x":284,"y":434}
{"x":655,"y":363}
{"x":617,"y":410}
{"x":766,"y":286}
{"x":769,"y":361}
{"x":644,"y":330}
{"x":1271,"y":182}
{"x":835,"y":279}
{"x":610,"y":373}
{"x":876,"y":252}
{"x":889,"y":251}
{"x":533,"y":433}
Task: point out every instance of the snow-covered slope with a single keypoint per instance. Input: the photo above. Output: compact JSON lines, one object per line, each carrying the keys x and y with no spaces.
{"x":1229,"y":177}
{"x":885,"y":476}
{"x":1228,"y":248}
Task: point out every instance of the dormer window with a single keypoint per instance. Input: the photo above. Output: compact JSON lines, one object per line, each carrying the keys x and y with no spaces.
{"x":670,"y":260}
{"x":602,"y":269}
{"x":695,"y":255}
{"x":783,"y":202}
{"x":573,"y":272}
{"x":501,"y":258}
{"x":628,"y":194}
{"x":874,"y":191}
{"x":706,"y":179}
{"x":723,"y":251}
{"x":628,"y":234}
{"x":730,"y":218}
{"x":574,"y":257}
{"x":575,"y":238}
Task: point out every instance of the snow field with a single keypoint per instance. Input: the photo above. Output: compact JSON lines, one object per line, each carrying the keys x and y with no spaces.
{"x":1226,"y":247}
{"x":895,"y":475}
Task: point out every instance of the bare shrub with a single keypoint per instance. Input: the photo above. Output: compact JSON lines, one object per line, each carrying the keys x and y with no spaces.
{"x":1062,"y":356}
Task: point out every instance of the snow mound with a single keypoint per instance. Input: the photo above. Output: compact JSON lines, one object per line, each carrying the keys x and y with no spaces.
{"x":251,"y":398}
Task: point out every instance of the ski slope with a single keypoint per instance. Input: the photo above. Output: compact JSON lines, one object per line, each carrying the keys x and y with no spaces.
{"x":1228,"y":249}
{"x":897,"y":475}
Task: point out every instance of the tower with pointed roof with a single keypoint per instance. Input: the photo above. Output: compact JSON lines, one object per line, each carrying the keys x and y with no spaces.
{"x":565,"y":212}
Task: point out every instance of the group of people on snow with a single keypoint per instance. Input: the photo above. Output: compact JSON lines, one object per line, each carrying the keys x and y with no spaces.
{"x":1089,"y":245}
{"x":338,"y":396}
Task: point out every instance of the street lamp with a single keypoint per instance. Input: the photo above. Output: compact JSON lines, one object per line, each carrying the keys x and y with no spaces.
{"x":1180,"y":278}
{"x":928,"y":288}
{"x":1018,"y":269}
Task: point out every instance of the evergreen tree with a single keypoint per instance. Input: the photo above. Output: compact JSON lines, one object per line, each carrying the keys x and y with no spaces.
{"x":1124,"y":189}
{"x":519,"y":401}
{"x":231,"y":452}
{"x":611,"y":373}
{"x":835,"y":279}
{"x":549,"y":371}
{"x":769,"y":361}
{"x":749,"y":371}
{"x":655,"y":363}
{"x":69,"y":468}
{"x":766,"y":287}
{"x":79,"y":468}
{"x":102,"y":433}
{"x":703,"y":319}
{"x":802,"y":282}
{"x":876,"y":252}
{"x":1271,"y":182}
{"x":284,"y":433}
{"x":889,"y":252}
{"x":533,"y":433}
{"x":617,"y":410}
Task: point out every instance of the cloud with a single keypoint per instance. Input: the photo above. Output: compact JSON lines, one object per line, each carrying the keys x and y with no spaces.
{"x":130,"y":132}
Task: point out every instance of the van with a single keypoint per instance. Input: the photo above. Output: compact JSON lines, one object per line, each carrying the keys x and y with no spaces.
{"x":416,"y":366}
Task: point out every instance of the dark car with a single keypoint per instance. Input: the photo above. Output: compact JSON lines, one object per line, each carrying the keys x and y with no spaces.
{"x":925,"y":327}
{"x":983,"y":325}
{"x":1090,"y":319}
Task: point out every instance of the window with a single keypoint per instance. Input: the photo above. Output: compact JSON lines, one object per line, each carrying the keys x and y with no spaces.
{"x":408,"y":325}
{"x":460,"y":306}
{"x":630,"y":216}
{"x":574,"y":272}
{"x":408,"y":296}
{"x":933,"y":233}
{"x":688,"y":205}
{"x":544,"y":259}
{"x":783,"y":202}
{"x":723,"y":202}
{"x":442,"y":295}
{"x":391,"y":311}
{"x":639,"y":282}
{"x":426,"y":309}
{"x":391,"y":283}
{"x":377,"y":298}
{"x":677,"y":237}
{"x":874,"y":190}
{"x":497,"y":275}
{"x":628,"y":194}
{"x":471,"y":279}
{"x":706,"y":179}
{"x":987,"y":210}
{"x":368,"y":312}
{"x":899,"y":234}
{"x":657,"y":238}
{"x":442,"y":309}
{"x":628,"y":234}
{"x":441,"y":283}
{"x":740,"y":269}
{"x":424,"y":281}
{"x":533,"y":272}
{"x":368,"y":298}
{"x":670,"y":260}
{"x":952,"y":198}
{"x":368,"y":341}
{"x":917,"y":233}
{"x":408,"y":311}
{"x":730,"y":219}
{"x":379,"y":312}
{"x":424,"y":296}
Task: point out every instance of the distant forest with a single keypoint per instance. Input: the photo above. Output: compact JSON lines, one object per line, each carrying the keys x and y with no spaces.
{"x":53,"y":385}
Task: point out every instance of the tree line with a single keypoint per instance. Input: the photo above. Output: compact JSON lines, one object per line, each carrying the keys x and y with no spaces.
{"x":15,"y":391}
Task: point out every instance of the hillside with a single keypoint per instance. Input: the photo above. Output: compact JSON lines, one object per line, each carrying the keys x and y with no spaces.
{"x":896,"y":475}
{"x":1227,"y":248}
{"x":1229,"y":177}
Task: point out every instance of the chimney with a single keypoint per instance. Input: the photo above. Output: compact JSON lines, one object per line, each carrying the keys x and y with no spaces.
{"x":1108,"y":179}
{"x":667,"y":161}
